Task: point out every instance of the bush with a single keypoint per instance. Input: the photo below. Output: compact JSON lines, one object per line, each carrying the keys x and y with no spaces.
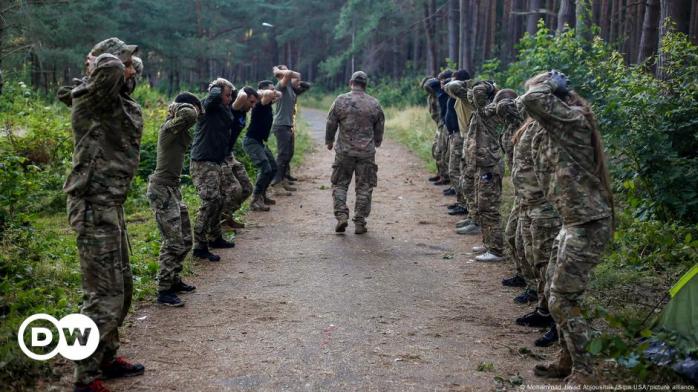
{"x":649,"y":125}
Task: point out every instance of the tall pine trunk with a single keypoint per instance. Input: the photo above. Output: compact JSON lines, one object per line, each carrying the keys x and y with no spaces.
{"x":452,"y":31}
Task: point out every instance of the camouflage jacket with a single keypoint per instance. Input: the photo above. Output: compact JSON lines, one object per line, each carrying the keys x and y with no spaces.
{"x":107,"y":130}
{"x":564,"y":159}
{"x":526,"y":187}
{"x":360,"y":120}
{"x":484,"y":124}
{"x":464,"y":108}
{"x":432,"y":102}
{"x":509,"y":115}
{"x":173,"y":140}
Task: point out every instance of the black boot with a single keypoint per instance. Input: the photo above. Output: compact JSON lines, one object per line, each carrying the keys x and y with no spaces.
{"x":169,"y":298}
{"x":450,"y":192}
{"x":548,"y":339}
{"x":535,"y":319}
{"x":514,"y":281}
{"x":529,"y":295}
{"x":181,"y":287}
{"x":122,"y":368}
{"x":220,"y":243}
{"x":203,"y":253}
{"x":460,"y":210}
{"x":434,"y":178}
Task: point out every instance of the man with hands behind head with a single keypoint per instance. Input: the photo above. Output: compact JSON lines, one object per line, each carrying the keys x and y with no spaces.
{"x":107,"y":128}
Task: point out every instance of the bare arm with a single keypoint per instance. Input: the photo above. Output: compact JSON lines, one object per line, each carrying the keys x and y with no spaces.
{"x":269,"y":96}
{"x":287,"y":76}
{"x":240,"y":100}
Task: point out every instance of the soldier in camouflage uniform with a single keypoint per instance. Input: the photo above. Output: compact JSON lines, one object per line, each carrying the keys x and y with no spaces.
{"x":488,"y":160}
{"x":210,"y":148}
{"x":432,"y":86}
{"x":107,"y":129}
{"x":171,"y":214}
{"x":570,"y":167}
{"x":538,"y":224}
{"x":457,"y":167}
{"x":360,"y":120}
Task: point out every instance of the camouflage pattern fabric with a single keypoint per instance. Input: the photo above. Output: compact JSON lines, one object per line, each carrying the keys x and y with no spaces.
{"x":441,"y":150}
{"x":208,"y":181}
{"x":575,"y":252}
{"x":107,"y":128}
{"x":236,"y":186}
{"x":489,"y":198}
{"x":172,"y":217}
{"x":512,"y":118}
{"x":515,"y":245}
{"x":360,"y":120}
{"x":455,"y":158}
{"x":107,"y":281}
{"x":564,"y":157}
{"x":343,"y":169}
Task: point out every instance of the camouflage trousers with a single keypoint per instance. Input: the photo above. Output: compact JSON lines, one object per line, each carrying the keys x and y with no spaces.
{"x":575,"y":252}
{"x":208,"y":181}
{"x":455,"y":160}
{"x":538,"y":227}
{"x":172,"y":217}
{"x":236,"y":186}
{"x":440,"y":150}
{"x":343,"y":169}
{"x":469,"y":191}
{"x":515,"y":245}
{"x":107,"y":281}
{"x":489,"y":198}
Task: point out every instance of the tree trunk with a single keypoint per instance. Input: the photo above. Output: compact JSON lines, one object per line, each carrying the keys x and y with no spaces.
{"x":650,"y":31}
{"x":583,"y":25}
{"x":429,"y":34}
{"x":679,"y":13}
{"x":533,"y":16}
{"x":693,"y":29}
{"x":605,"y":18}
{"x":507,"y":33}
{"x":462,"y":38}
{"x":565,"y":15}
{"x":452,"y":31}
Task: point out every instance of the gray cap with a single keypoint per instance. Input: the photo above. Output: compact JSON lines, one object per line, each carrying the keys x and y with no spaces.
{"x":359,"y":76}
{"x":116,"y":47}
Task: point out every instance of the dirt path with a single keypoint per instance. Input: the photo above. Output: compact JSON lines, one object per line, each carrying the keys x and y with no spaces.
{"x":297,"y":307}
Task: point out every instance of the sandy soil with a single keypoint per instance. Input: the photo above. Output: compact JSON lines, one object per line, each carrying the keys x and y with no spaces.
{"x":297,"y":307}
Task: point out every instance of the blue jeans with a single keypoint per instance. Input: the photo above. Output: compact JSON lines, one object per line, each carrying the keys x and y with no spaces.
{"x":263,"y":159}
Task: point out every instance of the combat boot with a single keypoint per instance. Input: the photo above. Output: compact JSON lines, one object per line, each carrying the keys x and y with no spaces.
{"x":514,"y":281}
{"x":342,"y":224}
{"x":559,"y":369}
{"x":443,"y":181}
{"x":220,"y":243}
{"x":548,"y":339}
{"x":203,"y":253}
{"x":579,"y":379}
{"x":94,"y":386}
{"x":452,"y":206}
{"x":291,"y":178}
{"x":258,"y":203}
{"x":529,"y":295}
{"x":287,"y":186}
{"x":460,"y":210}
{"x":449,"y":192}
{"x":169,"y":298}
{"x":267,"y":200}
{"x":535,"y":319}
{"x":120,"y":367}
{"x":181,"y":287}
{"x":471,"y":229}
{"x":278,"y":190}
{"x":435,"y":178}
{"x":359,"y":228}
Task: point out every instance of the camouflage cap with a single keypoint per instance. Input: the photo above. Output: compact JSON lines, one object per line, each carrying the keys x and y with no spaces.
{"x":138,"y":65}
{"x":359,"y":77}
{"x":116,"y":47}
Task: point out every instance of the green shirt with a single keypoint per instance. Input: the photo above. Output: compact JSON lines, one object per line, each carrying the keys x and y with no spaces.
{"x":283,"y":112}
{"x":173,"y":140}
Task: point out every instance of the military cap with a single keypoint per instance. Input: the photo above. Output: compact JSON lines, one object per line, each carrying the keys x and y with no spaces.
{"x":138,"y":65}
{"x":359,"y":77}
{"x":116,"y":47}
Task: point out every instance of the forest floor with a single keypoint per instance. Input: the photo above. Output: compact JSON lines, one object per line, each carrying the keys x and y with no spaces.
{"x":295,"y":306}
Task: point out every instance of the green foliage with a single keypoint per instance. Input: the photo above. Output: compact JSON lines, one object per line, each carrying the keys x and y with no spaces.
{"x":649,"y":125}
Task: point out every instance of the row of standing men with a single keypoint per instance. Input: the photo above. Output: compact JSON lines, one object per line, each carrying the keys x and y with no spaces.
{"x":561,"y":217}
{"x":107,"y":130}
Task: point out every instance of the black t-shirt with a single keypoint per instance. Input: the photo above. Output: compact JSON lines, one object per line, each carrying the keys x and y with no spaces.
{"x":451,"y":116}
{"x":213,"y":130}
{"x":260,"y":122}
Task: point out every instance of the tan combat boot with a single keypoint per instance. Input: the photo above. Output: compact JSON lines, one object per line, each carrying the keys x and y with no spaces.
{"x":287,"y":186}
{"x":560,"y":369}
{"x":258,"y":203}
{"x":342,"y":224}
{"x":278,"y":190}
{"x":267,"y":200}
{"x":359,"y":228}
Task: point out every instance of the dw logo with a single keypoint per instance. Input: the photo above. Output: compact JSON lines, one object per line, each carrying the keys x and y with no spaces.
{"x":78,"y":337}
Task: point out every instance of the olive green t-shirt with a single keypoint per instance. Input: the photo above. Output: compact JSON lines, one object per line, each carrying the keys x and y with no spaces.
{"x":173,"y":140}
{"x":283,"y":111}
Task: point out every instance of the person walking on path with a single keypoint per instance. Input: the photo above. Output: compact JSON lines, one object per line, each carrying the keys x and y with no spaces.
{"x":360,"y":120}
